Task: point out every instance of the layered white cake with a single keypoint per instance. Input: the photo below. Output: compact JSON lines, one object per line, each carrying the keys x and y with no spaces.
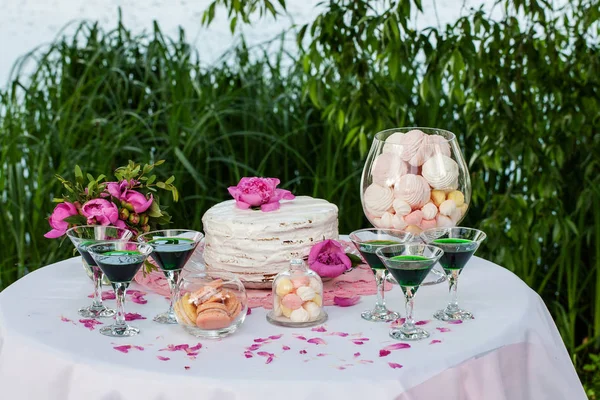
{"x":257,"y":245}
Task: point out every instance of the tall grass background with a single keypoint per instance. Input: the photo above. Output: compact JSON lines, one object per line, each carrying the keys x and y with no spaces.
{"x":522,"y":95}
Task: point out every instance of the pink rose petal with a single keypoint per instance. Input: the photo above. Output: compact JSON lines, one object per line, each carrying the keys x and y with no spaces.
{"x":455,"y":322}
{"x":138,"y":348}
{"x":90,"y":323}
{"x":319,"y":329}
{"x":285,"y":348}
{"x":363,"y":339}
{"x":187,"y":367}
{"x":178,"y":347}
{"x":394,"y":365}
{"x":249,"y":311}
{"x":443,"y":329}
{"x":341,"y":368}
{"x":161,"y":358}
{"x":356,"y":354}
{"x":356,"y":341}
{"x":398,"y":322}
{"x":302,"y":352}
{"x":299,"y":336}
{"x":316,"y":341}
{"x":275,"y":337}
{"x":123,"y":349}
{"x":261,"y":340}
{"x":397,"y":346}
{"x":253,"y":347}
{"x":384,"y":353}
{"x":434,"y":341}
{"x":365,"y":362}
{"x":269,"y":360}
{"x":345,"y":301}
{"x":265,"y":354}
{"x":342,"y":334}
{"x":321,"y":355}
{"x":422,"y":322}
{"x":196,"y":347}
{"x":133,"y":316}
{"x":248,"y":354}
{"x":64,"y":319}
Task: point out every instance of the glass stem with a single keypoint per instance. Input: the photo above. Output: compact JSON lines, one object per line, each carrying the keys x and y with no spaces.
{"x":173,"y":279}
{"x":120,"y":289}
{"x":380,"y":275}
{"x":453,"y":288}
{"x":409,"y":298}
{"x":97,"y":278}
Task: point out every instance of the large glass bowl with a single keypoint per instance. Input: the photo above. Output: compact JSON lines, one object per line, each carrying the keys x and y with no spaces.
{"x":210,"y":304}
{"x":415,"y":179}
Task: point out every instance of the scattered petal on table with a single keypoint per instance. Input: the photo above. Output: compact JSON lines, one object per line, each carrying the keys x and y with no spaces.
{"x":249,"y":311}
{"x":455,"y":322}
{"x":265,"y":354}
{"x":90,"y":323}
{"x":275,"y":337}
{"x":394,"y":365}
{"x":398,"y":322}
{"x":365,"y":362}
{"x":383,"y":353}
{"x":140,"y":348}
{"x":316,"y":341}
{"x":269,"y":360}
{"x":319,"y":329}
{"x":397,"y":346}
{"x":161,"y":358}
{"x":254,"y":347}
{"x":443,"y":329}
{"x":425,"y":322}
{"x":356,"y":341}
{"x":345,"y":301}
{"x":133,"y":316}
{"x":261,"y":340}
{"x":321,"y":355}
{"x":187,"y":367}
{"x":139,"y":300}
{"x":173,"y":347}
{"x":302,"y":352}
{"x":65,"y":319}
{"x":248,"y":354}
{"x":123,"y":349}
{"x":340,"y":367}
{"x":342,"y":334}
{"x":297,"y":336}
{"x":285,"y":348}
{"x":356,"y":354}
{"x":434,"y":341}
{"x":363,"y":339}
{"x":196,"y":347}
{"x":106,"y":295}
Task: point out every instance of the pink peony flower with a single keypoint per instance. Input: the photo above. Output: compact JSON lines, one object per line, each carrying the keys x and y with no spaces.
{"x":255,"y":192}
{"x":117,"y":189}
{"x":56,"y":220}
{"x":328,"y":259}
{"x":100,"y":211}
{"x":138,"y":201}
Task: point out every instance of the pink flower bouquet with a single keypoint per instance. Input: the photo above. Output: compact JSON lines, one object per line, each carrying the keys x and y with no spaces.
{"x":129,"y":202}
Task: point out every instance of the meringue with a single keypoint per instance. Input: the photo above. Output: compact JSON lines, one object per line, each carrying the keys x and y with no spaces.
{"x":387,"y":169}
{"x":300,"y":315}
{"x":443,"y":221}
{"x":406,"y":145}
{"x":306,"y":293}
{"x":429,"y":211}
{"x":286,"y":311}
{"x":428,"y":224}
{"x":318,"y":300}
{"x":414,"y":218}
{"x":386,"y":220}
{"x":415,"y":230}
{"x":313,"y":310}
{"x":447,"y":207}
{"x":284,"y":286}
{"x":457,"y":196}
{"x":315,"y":285}
{"x":435,"y":144}
{"x":401,"y":207}
{"x":398,"y":222}
{"x":438,"y":197}
{"x":413,"y":189}
{"x":277,"y":307}
{"x":441,"y":172}
{"x":456,"y":215}
{"x":378,"y":199}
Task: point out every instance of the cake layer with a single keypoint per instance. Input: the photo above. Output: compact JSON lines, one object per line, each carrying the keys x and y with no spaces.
{"x":257,"y":245}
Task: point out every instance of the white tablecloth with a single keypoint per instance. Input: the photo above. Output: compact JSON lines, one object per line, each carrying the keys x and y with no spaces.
{"x":511,"y":351}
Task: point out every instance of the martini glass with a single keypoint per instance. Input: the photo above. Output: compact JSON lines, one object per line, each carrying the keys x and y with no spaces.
{"x":172,"y":250}
{"x":120,"y":261}
{"x":367,"y":241}
{"x":84,"y":236}
{"x":409,"y":264}
{"x":459,"y":244}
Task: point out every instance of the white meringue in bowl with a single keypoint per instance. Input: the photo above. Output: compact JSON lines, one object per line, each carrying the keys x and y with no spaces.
{"x":413,"y":189}
{"x":441,"y":172}
{"x":388,"y":168}
{"x":378,"y":199}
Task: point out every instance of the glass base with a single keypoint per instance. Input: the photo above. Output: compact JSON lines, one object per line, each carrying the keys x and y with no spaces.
{"x":408,"y":333}
{"x":457,"y":315}
{"x":166,"y":318}
{"x":380,"y":316}
{"x":96,"y":312}
{"x":119,"y":331}
{"x":283,"y":321}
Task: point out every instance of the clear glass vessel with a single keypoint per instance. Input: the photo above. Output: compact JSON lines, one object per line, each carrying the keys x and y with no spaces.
{"x":211,"y":304}
{"x":82,"y":237}
{"x":415,"y":179}
{"x":297,"y":297}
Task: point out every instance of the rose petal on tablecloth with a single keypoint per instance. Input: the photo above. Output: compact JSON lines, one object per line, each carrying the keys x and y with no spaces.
{"x":133,"y":316}
{"x":285,"y":348}
{"x":397,"y":346}
{"x":90,"y":323}
{"x":248,"y":354}
{"x":444,"y":329}
{"x":425,"y":322}
{"x":357,"y":354}
{"x":162,"y":358}
{"x":123,"y":349}
{"x":316,"y":341}
{"x":455,"y":322}
{"x":275,"y":337}
{"x":394,"y":365}
{"x":302,"y":352}
{"x":365,"y":362}
{"x":434,"y":341}
{"x":342,"y":334}
{"x":319,"y":329}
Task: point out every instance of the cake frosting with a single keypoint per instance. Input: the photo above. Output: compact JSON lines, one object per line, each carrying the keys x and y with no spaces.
{"x":258,"y":245}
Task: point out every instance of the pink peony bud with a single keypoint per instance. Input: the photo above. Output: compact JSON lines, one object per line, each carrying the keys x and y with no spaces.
{"x":124,"y":214}
{"x":56,"y":220}
{"x":134,"y":218}
{"x":137,"y":202}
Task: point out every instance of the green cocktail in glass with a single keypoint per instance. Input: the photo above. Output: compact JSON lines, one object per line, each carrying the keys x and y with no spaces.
{"x":367,"y":241}
{"x":409,"y":264}
{"x":459,"y":245}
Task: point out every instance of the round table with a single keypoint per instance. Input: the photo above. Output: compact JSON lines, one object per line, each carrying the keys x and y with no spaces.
{"x":511,"y":350}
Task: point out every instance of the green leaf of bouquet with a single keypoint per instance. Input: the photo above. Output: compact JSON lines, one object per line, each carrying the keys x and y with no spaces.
{"x":58,"y":200}
{"x":161,"y":185}
{"x":76,"y":220}
{"x":90,"y":177}
{"x":159,"y":162}
{"x":154,"y":210}
{"x":151,"y":180}
{"x":78,"y":173}
{"x":355,"y":259}
{"x":101,"y":177}
{"x":170,"y":180}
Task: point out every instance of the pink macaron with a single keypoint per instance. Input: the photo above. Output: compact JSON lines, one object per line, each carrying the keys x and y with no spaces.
{"x":292,"y":301}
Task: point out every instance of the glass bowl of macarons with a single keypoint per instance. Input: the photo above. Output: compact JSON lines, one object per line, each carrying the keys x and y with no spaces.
{"x":211,"y":304}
